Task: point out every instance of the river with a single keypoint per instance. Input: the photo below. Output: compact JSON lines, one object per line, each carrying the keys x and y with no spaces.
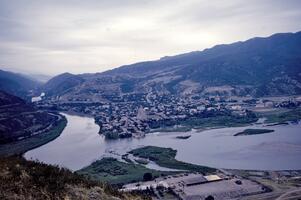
{"x":80,"y":144}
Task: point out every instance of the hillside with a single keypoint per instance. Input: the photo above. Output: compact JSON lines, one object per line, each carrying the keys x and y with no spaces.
{"x":23,"y":127}
{"x":21,"y":179}
{"x":17,"y":84}
{"x":19,"y":119}
{"x":61,"y":84}
{"x":258,"y":67}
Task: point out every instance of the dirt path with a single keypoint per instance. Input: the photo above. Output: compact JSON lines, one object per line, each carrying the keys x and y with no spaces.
{"x":291,"y":195}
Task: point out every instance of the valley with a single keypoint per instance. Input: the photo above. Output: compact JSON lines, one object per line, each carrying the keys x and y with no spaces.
{"x":220,"y":86}
{"x":150,"y":100}
{"x":166,"y":128}
{"x":80,"y":144}
{"x":110,"y":165}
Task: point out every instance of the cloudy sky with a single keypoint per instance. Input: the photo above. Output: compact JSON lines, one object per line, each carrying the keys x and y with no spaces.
{"x":55,"y":36}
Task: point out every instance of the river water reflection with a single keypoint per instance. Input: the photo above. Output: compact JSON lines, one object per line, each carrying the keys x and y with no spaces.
{"x":80,"y":144}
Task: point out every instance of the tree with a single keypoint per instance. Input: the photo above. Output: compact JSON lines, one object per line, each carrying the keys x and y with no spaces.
{"x":209,"y":198}
{"x":147,"y":176}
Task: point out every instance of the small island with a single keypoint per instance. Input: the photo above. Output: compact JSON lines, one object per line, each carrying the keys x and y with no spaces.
{"x":165,"y":157}
{"x":118,"y":173}
{"x":183,"y":137}
{"x":253,"y":132}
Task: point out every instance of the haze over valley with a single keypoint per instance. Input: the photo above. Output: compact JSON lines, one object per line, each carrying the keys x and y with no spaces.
{"x":219,"y":119}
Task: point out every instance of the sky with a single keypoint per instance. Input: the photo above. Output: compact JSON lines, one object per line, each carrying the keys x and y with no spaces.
{"x":86,"y":36}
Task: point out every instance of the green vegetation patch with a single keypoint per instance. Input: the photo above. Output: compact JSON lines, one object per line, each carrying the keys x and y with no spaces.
{"x":281,"y":117}
{"x":142,"y":161}
{"x":165,"y":157}
{"x":172,"y":129}
{"x":253,"y":132}
{"x":219,"y":121}
{"x":183,"y":137}
{"x":209,"y":120}
{"x":20,"y":147}
{"x":112,"y":171}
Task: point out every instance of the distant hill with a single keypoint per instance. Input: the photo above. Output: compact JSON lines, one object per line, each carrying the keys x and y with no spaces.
{"x":257,"y":67}
{"x":61,"y":84}
{"x":39,"y":77}
{"x":17,"y":84}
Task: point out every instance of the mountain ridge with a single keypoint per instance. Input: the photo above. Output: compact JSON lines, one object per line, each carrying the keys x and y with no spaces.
{"x":17,"y":84}
{"x":206,"y":50}
{"x":260,"y":66}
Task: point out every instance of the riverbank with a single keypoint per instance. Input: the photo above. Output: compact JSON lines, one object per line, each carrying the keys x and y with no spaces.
{"x":281,"y":115}
{"x":115,"y":172}
{"x":22,"y":146}
{"x":253,"y":132}
{"x":206,"y":123}
{"x":277,"y":117}
{"x":80,"y":144}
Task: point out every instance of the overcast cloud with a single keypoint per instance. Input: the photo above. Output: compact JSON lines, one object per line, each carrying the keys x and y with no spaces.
{"x":55,"y":36}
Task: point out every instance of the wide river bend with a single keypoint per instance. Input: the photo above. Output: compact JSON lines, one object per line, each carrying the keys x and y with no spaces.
{"x":80,"y":144}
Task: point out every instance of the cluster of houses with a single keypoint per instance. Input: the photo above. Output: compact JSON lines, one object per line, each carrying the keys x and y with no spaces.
{"x":133,"y":116}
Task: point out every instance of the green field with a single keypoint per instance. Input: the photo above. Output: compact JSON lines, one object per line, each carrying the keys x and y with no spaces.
{"x":172,"y":129}
{"x":253,"y":132}
{"x":112,"y":171}
{"x":115,"y":172}
{"x":20,"y":147}
{"x":218,"y":121}
{"x":204,"y":122}
{"x":283,"y":116}
{"x":165,"y":157}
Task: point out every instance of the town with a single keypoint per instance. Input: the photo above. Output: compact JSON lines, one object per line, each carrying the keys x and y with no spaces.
{"x":135,"y":114}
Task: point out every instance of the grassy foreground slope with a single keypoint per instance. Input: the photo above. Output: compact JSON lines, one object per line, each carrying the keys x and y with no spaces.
{"x":21,"y":179}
